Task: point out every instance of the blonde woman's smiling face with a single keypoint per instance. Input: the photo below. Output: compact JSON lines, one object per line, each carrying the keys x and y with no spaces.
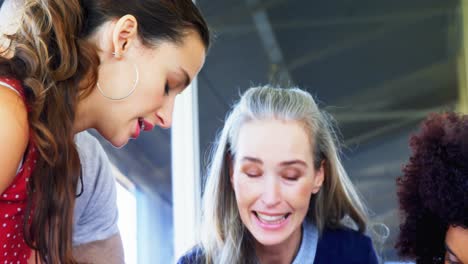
{"x":274,"y":178}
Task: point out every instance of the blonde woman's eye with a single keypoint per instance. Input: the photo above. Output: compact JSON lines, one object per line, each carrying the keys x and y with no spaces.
{"x":292,"y":175}
{"x":253,"y":173}
{"x":293,"y":178}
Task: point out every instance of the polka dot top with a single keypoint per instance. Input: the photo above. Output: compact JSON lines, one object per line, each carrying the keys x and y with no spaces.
{"x":13,"y":248}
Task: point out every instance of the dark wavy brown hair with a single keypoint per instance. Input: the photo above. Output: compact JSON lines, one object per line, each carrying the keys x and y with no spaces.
{"x":58,"y":66}
{"x":433,"y":191}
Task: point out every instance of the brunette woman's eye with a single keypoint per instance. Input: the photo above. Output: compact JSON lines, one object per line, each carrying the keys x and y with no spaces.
{"x":166,"y":89}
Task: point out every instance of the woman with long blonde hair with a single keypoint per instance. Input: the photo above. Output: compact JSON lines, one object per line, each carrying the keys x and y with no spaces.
{"x":277,"y":191}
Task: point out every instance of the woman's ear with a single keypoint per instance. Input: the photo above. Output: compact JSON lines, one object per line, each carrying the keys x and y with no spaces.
{"x":230,"y":164}
{"x":125,"y":34}
{"x":319,"y":177}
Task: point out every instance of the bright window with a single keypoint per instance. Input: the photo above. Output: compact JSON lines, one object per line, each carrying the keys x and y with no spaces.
{"x":127,"y":205}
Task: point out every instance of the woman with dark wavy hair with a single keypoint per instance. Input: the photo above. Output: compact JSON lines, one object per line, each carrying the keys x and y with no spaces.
{"x":112,"y":65}
{"x":433,"y":193}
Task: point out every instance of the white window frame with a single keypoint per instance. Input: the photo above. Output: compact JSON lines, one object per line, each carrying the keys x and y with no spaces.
{"x":186,"y":170}
{"x":127,"y":220}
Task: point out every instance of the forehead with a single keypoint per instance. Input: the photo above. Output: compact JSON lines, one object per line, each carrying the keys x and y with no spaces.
{"x":189,"y":54}
{"x":274,"y":140}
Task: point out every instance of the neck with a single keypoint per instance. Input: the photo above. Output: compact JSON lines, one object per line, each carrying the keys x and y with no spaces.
{"x":283,"y":253}
{"x":85,"y":114}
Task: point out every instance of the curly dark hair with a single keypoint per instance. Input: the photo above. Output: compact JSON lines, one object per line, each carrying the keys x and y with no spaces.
{"x":433,"y":191}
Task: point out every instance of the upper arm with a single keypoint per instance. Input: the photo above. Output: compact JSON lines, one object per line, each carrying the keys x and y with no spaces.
{"x":108,"y":251}
{"x":14,"y":135}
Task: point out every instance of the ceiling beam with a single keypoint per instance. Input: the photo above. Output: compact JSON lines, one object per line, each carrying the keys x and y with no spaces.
{"x":393,"y":126}
{"x":239,"y":12}
{"x":412,"y":85}
{"x":348,"y":117}
{"x":354,"y":41}
{"x":291,"y":23}
{"x":279,"y":73}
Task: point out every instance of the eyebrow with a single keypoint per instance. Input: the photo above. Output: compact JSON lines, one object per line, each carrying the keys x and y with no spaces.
{"x":283,"y":164}
{"x":255,"y":160}
{"x":292,"y":162}
{"x":450,"y":251}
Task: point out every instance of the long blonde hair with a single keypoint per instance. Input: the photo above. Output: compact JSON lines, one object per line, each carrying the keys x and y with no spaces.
{"x":224,"y":238}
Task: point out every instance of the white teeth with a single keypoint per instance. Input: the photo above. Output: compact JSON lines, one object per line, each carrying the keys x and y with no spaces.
{"x":271,"y":218}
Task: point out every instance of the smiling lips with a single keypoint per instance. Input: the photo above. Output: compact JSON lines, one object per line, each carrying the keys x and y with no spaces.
{"x":271,"y":222}
{"x":141,"y":125}
{"x":145,"y":125}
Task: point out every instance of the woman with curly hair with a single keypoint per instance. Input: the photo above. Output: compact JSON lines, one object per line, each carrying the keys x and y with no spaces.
{"x":433,"y":192}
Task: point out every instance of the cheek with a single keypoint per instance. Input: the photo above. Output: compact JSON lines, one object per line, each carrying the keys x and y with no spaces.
{"x":246,"y":190}
{"x":151,"y":90}
{"x":151,"y":85}
{"x":299,"y":195}
{"x":149,"y":99}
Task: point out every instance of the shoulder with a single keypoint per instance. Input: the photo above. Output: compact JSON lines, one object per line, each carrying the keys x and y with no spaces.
{"x":87,"y":143}
{"x":14,"y":134}
{"x":11,"y":100}
{"x":193,"y":256}
{"x":13,"y":107}
{"x":341,"y":244}
{"x":94,"y":160}
{"x":96,"y":167}
{"x":344,"y":234}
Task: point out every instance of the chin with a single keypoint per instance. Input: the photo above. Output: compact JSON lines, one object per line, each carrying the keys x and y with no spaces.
{"x":270,"y":240}
{"x":117,"y":142}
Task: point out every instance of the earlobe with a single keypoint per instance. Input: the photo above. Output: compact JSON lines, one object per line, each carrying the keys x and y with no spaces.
{"x":125,"y":33}
{"x":319,"y":178}
{"x":230,"y":164}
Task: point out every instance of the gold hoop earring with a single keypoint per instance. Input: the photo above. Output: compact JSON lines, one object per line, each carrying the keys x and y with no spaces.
{"x":137,"y":78}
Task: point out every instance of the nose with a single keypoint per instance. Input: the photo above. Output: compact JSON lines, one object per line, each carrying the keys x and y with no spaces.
{"x":271,"y":195}
{"x":164,"y":114}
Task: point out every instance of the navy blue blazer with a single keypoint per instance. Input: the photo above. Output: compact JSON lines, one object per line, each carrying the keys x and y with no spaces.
{"x":343,"y":246}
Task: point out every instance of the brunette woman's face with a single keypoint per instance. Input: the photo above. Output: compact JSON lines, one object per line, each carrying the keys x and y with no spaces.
{"x":157,"y":73}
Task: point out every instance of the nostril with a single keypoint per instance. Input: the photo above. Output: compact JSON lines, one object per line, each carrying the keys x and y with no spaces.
{"x":161,"y":122}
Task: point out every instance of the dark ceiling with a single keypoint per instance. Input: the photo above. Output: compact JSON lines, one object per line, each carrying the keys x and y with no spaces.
{"x":372,"y":63}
